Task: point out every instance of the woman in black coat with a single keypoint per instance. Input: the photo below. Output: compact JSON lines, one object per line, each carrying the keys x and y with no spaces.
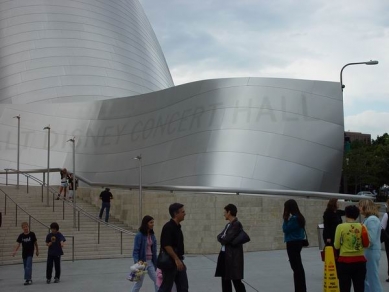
{"x":331,"y":218}
{"x":230,"y":261}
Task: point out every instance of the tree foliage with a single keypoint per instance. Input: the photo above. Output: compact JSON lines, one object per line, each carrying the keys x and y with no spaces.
{"x":366,"y":165}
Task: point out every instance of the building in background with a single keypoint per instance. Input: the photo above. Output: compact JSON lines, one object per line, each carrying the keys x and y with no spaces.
{"x":94,"y":70}
{"x":357,"y":136}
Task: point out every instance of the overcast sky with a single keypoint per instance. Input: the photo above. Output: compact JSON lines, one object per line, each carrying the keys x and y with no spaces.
{"x":313,"y":39}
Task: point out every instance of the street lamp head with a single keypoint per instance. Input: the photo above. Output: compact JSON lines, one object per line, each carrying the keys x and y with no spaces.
{"x":72,"y":140}
{"x":17,"y":117}
{"x":371,"y":62}
{"x":46,"y":128}
{"x":139,"y":157}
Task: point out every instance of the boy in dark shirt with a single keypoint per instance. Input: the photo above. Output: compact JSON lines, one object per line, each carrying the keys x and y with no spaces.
{"x":55,"y":241}
{"x":28,"y":241}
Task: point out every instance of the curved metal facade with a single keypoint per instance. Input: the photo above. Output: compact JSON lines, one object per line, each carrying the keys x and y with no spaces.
{"x":70,"y":51}
{"x":241,"y":132}
{"x":252,"y":133}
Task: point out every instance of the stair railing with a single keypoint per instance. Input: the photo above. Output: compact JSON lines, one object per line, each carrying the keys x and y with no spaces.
{"x":78,"y":209}
{"x":17,"y":207}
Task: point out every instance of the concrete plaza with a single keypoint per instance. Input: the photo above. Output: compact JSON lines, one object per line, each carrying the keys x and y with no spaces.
{"x":265,"y":271}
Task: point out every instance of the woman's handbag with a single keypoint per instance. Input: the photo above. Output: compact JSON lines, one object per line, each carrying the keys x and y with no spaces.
{"x":305,"y":240}
{"x":384,"y":235}
{"x":164,"y":261}
{"x":242,"y":238}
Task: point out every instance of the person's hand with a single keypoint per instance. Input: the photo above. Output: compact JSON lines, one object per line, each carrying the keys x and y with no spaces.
{"x":37,"y":253}
{"x":329,"y":240}
{"x":49,"y":243}
{"x":13,"y":254}
{"x":180,"y":265}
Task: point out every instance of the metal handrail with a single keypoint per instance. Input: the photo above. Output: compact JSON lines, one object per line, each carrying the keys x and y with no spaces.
{"x":30,"y":217}
{"x":77,"y":207}
{"x":203,"y":189}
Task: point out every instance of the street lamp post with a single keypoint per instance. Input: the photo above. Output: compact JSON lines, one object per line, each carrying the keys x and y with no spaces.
{"x":371,"y":62}
{"x":74,"y":180}
{"x":48,"y":165}
{"x":139,"y":158}
{"x":18,"y":154}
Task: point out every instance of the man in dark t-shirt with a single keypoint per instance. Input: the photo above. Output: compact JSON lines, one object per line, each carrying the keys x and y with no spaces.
{"x":172,"y":241}
{"x":29,"y":242}
{"x":105,"y":197}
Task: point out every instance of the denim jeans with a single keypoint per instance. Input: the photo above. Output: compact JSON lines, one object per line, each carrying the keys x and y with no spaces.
{"x":106,"y":206}
{"x":27,"y":263}
{"x":152,"y":274}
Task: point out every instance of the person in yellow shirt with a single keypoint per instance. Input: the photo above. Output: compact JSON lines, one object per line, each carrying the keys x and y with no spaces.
{"x":351,"y":238}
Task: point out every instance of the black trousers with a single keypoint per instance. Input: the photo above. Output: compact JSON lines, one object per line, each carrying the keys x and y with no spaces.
{"x":227,"y":283}
{"x":293,"y":249}
{"x":387,"y":253}
{"x":49,"y":267}
{"x":174,"y":276}
{"x":352,"y":272}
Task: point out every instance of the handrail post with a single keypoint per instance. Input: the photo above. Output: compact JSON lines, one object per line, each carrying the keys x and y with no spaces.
{"x":27,"y":183}
{"x":43,"y":183}
{"x":63,"y":210}
{"x":53,"y":202}
{"x":6,"y":177}
{"x":121,"y":242}
{"x":98,"y":232}
{"x":29,"y":221}
{"x":5,"y":205}
{"x":16,"y":216}
{"x":73,"y":249}
{"x":78,"y":221}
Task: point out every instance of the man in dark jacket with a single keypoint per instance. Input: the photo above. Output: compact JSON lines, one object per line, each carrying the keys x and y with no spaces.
{"x":105,"y":197}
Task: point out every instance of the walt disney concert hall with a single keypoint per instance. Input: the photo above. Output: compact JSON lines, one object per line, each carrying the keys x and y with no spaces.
{"x":94,"y":70}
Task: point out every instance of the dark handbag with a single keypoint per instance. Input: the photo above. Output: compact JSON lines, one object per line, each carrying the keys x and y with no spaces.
{"x":384,"y":235}
{"x":305,"y":241}
{"x":242,"y":238}
{"x":164,"y":261}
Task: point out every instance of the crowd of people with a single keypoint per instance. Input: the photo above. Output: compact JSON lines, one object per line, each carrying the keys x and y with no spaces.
{"x":357,"y":247}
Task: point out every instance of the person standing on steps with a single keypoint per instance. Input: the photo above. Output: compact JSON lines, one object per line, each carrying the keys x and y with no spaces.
{"x":64,"y":183}
{"x":105,"y":197}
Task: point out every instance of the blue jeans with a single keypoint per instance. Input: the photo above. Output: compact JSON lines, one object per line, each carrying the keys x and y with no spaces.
{"x":106,"y":206}
{"x":27,"y":263}
{"x":152,"y":274}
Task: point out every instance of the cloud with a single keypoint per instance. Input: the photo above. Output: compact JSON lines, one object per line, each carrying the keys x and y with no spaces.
{"x":280,"y":38}
{"x":368,"y":122}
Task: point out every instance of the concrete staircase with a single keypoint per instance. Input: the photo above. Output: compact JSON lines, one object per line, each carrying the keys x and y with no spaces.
{"x":90,"y":242}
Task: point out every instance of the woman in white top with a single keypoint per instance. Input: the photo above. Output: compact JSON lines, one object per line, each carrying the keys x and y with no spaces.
{"x":385,"y":225}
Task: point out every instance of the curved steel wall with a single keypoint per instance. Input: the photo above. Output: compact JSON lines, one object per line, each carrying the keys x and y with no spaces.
{"x":84,"y":50}
{"x":241,"y":132}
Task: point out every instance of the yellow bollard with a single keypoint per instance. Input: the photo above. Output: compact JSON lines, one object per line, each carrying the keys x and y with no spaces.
{"x":331,"y":281}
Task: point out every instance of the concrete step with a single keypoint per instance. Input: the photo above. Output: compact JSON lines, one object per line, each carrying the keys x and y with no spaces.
{"x":85,"y":240}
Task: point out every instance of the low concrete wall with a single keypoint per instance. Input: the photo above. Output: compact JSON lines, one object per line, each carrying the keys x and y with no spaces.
{"x":261,"y":216}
